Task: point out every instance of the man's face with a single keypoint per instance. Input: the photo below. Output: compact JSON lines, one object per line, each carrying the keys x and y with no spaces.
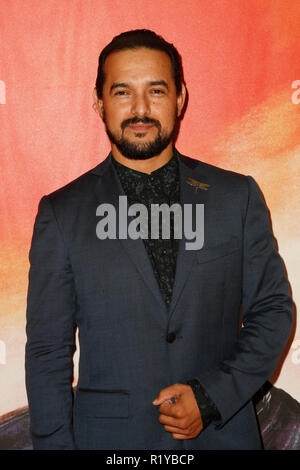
{"x":139,"y":105}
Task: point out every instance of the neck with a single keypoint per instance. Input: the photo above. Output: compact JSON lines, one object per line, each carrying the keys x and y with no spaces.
{"x":144,"y":166}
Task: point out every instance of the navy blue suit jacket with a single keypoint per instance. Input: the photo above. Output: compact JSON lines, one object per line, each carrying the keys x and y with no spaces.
{"x":107,"y":289}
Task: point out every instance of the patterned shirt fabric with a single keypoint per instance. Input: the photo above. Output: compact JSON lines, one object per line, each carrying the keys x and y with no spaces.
{"x":163,"y":186}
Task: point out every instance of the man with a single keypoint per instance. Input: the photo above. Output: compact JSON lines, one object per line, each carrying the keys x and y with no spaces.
{"x":163,"y":361}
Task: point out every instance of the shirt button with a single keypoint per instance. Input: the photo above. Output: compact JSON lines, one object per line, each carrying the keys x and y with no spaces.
{"x":171,"y":337}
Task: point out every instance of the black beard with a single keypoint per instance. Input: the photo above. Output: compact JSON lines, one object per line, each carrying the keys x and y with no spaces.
{"x":141,"y":151}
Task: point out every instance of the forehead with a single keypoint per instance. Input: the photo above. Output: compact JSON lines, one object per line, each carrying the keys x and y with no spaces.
{"x":137,"y":65}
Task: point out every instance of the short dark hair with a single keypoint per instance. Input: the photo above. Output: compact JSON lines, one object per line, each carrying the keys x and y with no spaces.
{"x":140,"y":38}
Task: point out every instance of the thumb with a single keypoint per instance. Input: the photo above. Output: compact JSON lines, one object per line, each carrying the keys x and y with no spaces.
{"x":166,"y":394}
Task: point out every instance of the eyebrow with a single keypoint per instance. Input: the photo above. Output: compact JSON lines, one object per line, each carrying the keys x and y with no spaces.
{"x":159,"y":82}
{"x":119,"y":85}
{"x":127,"y":85}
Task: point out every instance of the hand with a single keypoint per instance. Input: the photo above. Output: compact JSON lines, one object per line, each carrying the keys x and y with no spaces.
{"x":182,"y":418}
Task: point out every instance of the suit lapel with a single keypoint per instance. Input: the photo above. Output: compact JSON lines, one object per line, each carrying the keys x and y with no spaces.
{"x":108,"y":189}
{"x":188,"y":195}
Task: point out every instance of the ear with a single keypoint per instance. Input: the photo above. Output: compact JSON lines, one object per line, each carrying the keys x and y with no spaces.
{"x":181,"y":99}
{"x":98,"y":104}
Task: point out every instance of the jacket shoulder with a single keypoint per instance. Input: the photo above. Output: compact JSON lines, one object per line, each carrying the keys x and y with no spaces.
{"x":79,"y":187}
{"x":215,"y":175}
{"x":210,"y":169}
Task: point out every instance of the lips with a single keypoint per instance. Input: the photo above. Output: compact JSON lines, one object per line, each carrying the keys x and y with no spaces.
{"x":140,"y":127}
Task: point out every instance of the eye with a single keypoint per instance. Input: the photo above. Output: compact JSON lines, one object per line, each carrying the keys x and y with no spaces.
{"x":120,"y":93}
{"x":157,"y":91}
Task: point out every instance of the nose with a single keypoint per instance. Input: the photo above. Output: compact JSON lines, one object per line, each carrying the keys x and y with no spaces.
{"x":140,"y":105}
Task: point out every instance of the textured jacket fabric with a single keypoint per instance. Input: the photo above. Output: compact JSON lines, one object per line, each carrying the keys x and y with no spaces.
{"x":229,"y":318}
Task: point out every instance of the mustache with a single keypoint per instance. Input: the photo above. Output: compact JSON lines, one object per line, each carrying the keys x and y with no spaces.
{"x":144,"y":120}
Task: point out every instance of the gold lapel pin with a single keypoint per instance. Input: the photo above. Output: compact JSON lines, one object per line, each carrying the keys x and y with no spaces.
{"x":197,"y":184}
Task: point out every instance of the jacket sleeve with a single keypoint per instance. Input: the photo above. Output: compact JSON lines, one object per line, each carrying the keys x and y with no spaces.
{"x":50,"y":332}
{"x":267,"y":316}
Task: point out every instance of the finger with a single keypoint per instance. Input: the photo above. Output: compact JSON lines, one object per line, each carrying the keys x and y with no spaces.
{"x":170,"y":410}
{"x":187,"y":433}
{"x":170,"y":421}
{"x":180,"y":437}
{"x":168,"y":397}
{"x":167,"y":401}
{"x":167,"y":393}
{"x":181,"y":432}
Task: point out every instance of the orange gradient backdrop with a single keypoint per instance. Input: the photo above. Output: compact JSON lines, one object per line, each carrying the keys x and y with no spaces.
{"x":241,"y":61}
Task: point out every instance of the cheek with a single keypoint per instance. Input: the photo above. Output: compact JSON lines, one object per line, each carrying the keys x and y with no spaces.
{"x":122,"y":111}
{"x":168,"y":119}
{"x":113,"y":117}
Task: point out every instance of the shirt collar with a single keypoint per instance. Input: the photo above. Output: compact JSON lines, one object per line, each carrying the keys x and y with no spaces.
{"x":170,"y":167}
